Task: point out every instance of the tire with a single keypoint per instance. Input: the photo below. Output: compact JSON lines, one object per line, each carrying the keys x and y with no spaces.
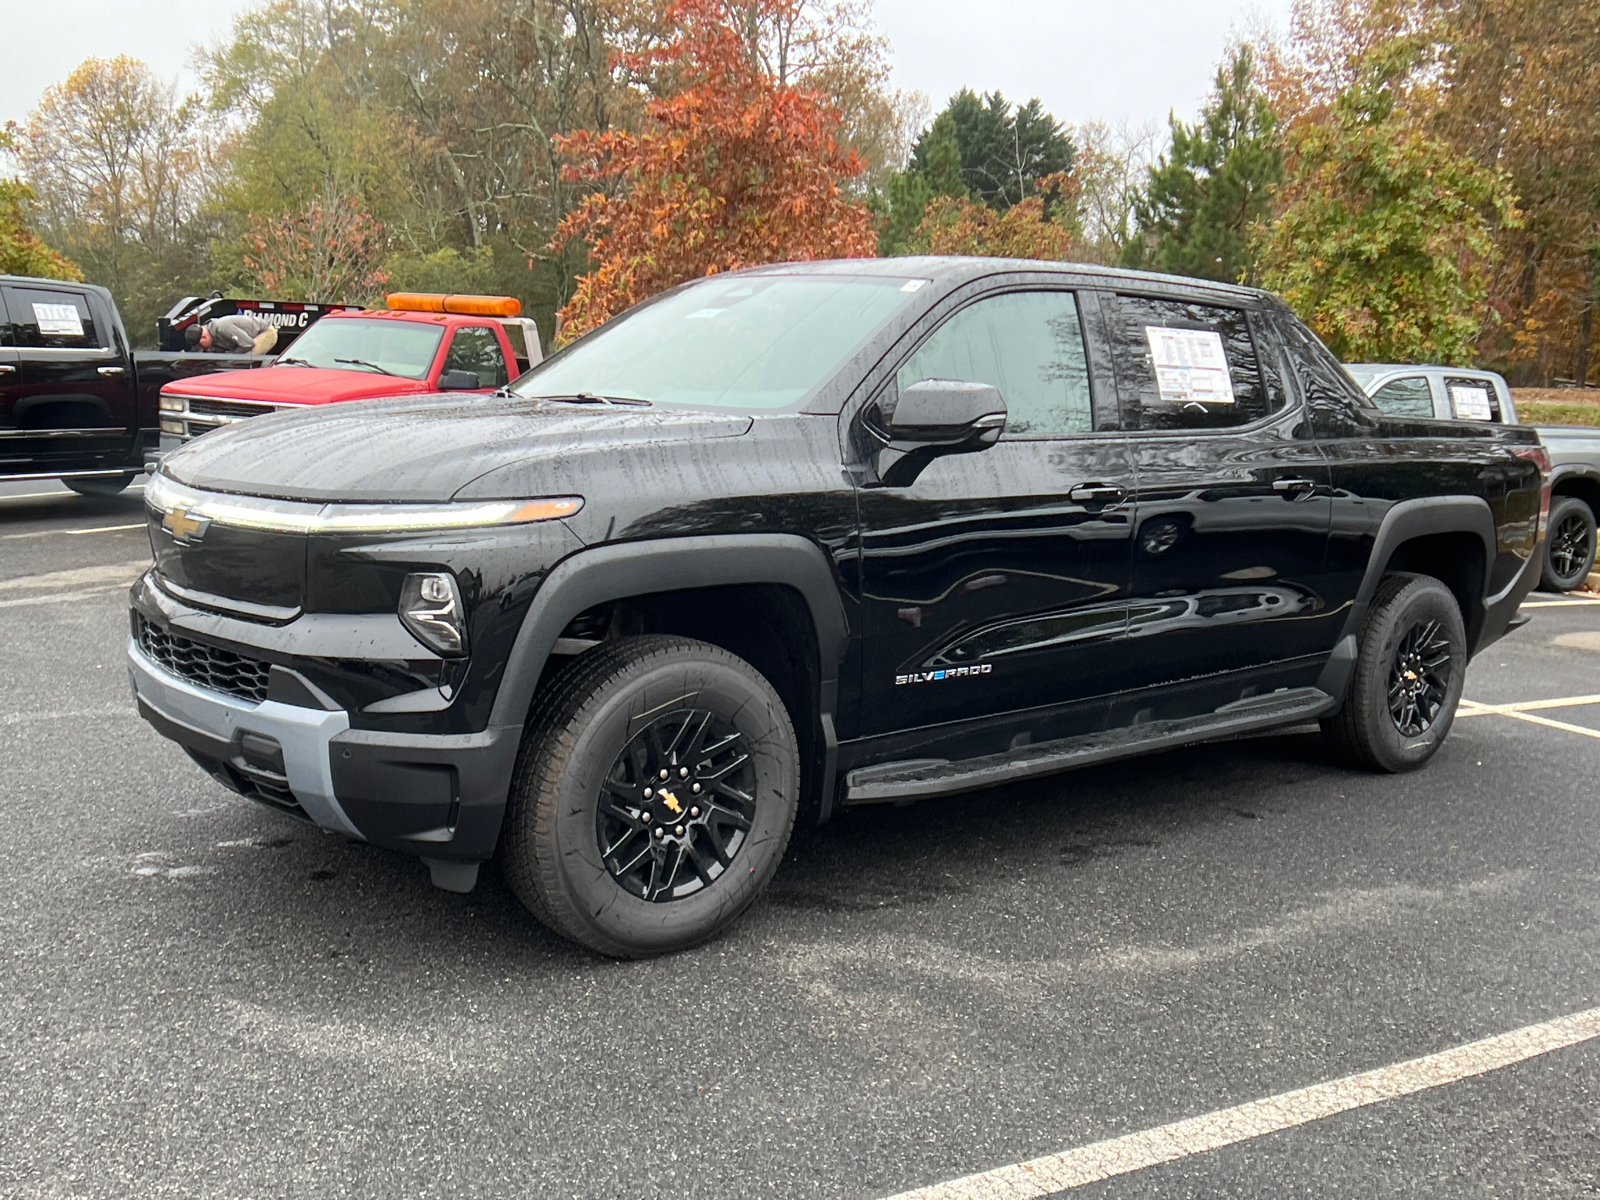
{"x":598,"y":738}
{"x":1417,"y":617}
{"x":102,"y":485}
{"x":1568,"y":546}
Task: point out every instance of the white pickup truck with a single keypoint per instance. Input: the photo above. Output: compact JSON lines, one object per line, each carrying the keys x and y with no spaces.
{"x":1460,"y":393}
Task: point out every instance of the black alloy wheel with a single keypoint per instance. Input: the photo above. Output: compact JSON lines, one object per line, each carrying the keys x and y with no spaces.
{"x":1411,"y":658}
{"x":676,"y":806}
{"x":1569,"y":547}
{"x":653,"y":797}
{"x":1419,"y":679}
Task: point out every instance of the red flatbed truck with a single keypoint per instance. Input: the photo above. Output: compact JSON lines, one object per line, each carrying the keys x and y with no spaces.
{"x":422,"y":343}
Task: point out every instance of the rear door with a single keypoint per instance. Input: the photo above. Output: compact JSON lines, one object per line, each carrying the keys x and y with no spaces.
{"x":997,"y":581}
{"x":1233,"y":509}
{"x":74,"y":392}
{"x":1406,"y":396}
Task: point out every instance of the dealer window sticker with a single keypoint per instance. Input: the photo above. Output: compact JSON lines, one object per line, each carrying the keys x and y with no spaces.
{"x":1470,"y":403}
{"x":58,"y":320}
{"x":1190,"y":365}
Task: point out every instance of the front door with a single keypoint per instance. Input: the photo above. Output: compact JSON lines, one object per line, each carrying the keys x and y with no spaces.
{"x":73,"y":399}
{"x":997,"y":581}
{"x":1229,"y":596}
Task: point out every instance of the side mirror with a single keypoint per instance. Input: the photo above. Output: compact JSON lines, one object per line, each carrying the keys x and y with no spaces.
{"x":936,"y":417}
{"x":459,"y":381}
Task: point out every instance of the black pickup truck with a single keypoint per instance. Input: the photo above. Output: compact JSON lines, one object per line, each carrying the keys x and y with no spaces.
{"x":812,"y":536}
{"x":76,"y":402}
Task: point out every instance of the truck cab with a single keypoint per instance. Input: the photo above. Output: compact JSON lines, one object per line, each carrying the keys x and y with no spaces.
{"x":421,"y":344}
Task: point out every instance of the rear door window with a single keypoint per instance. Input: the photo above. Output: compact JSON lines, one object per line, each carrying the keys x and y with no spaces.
{"x":1411,"y":396}
{"x":49,"y":319}
{"x":1182,"y":365}
{"x":475,"y":348}
{"x":1472,"y":399}
{"x":1030,"y":346}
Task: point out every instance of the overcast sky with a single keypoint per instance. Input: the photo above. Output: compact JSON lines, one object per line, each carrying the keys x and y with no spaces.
{"x":1086,"y":59}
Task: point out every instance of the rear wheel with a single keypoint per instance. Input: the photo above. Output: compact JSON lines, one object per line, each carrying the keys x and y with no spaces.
{"x":101,"y":485}
{"x":653,"y":798}
{"x":1408,"y":677}
{"x":1569,"y":545}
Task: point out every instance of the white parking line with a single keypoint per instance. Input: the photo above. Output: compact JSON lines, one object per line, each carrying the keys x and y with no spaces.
{"x":52,"y":532}
{"x":138,"y":487}
{"x":1226,"y":1127}
{"x":1567,"y":602}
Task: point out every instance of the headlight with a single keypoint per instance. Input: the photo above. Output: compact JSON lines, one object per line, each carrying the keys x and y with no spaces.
{"x":430,"y":606}
{"x":169,"y":425}
{"x":170,"y":403}
{"x":297,"y":516}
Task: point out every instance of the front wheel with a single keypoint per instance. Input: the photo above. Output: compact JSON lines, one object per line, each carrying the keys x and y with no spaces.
{"x":1569,"y":545}
{"x":1409,"y":672}
{"x":653,"y":798}
{"x":101,"y":485}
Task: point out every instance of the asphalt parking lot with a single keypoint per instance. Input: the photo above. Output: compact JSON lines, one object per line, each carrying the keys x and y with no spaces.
{"x":202,"y":998}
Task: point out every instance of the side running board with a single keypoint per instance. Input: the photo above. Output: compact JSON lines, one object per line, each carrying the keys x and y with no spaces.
{"x":920,"y":778}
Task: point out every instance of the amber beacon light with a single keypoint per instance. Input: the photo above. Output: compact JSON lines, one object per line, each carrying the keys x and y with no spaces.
{"x":467,"y":306}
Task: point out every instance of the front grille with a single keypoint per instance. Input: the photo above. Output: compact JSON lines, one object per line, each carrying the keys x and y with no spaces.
{"x":203,"y":406}
{"x":219,"y":670}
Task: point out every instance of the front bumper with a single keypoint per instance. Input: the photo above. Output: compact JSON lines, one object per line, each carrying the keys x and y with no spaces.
{"x":439,"y":796}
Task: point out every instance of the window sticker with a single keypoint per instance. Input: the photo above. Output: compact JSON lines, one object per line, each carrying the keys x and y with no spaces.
{"x":913,"y":285}
{"x":1190,"y":365}
{"x":1470,"y":403}
{"x":58,"y":319}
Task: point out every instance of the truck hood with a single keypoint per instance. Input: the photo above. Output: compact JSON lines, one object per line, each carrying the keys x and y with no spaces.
{"x":430,"y":449}
{"x":297,"y":385}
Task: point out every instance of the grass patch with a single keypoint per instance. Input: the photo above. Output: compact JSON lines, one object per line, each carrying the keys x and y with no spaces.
{"x":1533,"y":412}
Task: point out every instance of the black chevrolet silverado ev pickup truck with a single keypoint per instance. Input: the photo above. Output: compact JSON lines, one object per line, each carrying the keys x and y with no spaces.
{"x":811,"y":536}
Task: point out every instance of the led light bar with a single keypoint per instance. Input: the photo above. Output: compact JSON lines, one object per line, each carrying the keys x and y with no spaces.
{"x":471,"y":306}
{"x":164,"y":495}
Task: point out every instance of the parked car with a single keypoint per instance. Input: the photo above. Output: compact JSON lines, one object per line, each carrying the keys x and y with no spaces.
{"x":810,"y":536}
{"x":1456,"y":393}
{"x":76,"y":403}
{"x":422,"y":343}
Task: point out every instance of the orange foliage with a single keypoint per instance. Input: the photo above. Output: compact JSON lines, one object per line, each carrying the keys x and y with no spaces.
{"x":732,"y":170}
{"x":957,"y":225}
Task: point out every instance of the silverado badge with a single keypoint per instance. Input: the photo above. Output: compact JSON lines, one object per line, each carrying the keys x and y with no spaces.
{"x":183,"y":527}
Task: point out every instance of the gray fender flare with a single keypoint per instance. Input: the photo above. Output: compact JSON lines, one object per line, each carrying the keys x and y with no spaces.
{"x":614,"y":572}
{"x":1408,"y":519}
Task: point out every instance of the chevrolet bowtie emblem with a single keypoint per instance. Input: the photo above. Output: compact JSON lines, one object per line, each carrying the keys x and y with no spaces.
{"x":183,"y":527}
{"x":671,"y":802}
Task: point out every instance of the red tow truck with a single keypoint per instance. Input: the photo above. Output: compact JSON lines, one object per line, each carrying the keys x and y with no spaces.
{"x":423,"y":342}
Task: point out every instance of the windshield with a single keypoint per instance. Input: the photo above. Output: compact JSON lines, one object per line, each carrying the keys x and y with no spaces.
{"x":744,"y":342}
{"x":398,"y":347}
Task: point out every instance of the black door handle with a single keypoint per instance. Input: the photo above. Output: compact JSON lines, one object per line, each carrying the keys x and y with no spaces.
{"x":1098,"y":493}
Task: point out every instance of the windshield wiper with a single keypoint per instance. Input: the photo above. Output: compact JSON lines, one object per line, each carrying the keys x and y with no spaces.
{"x":286,"y":362}
{"x":361,"y":362}
{"x":591,"y":398}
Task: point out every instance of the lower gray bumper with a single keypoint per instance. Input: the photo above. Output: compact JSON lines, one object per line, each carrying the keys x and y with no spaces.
{"x":212,"y":724}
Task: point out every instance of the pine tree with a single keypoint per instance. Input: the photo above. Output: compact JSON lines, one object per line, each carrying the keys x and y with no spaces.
{"x":1202,"y":197}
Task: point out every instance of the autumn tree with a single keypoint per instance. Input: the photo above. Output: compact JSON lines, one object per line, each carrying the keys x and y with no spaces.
{"x":22,"y":250}
{"x":1202,"y":196}
{"x":326,"y":250}
{"x":1110,"y":167}
{"x":1038,"y":226}
{"x":1383,"y":238}
{"x":732,"y":170}
{"x":120,"y":169}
